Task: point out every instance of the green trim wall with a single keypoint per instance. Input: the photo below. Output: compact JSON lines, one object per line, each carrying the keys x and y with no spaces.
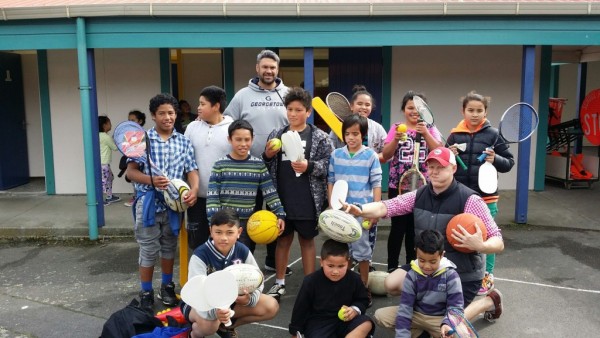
{"x":46,"y":117}
{"x":207,"y":32}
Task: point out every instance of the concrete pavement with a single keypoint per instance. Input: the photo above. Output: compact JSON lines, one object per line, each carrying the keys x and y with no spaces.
{"x":549,"y":271}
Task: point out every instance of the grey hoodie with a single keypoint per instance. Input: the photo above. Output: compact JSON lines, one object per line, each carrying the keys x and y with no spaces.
{"x":263,"y":108}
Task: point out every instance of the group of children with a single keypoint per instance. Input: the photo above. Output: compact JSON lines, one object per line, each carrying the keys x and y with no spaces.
{"x":235,"y":179}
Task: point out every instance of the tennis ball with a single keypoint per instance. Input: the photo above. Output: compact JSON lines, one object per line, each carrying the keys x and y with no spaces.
{"x":366,"y":225}
{"x":341,"y":314}
{"x":401,"y":128}
{"x":275,"y":144}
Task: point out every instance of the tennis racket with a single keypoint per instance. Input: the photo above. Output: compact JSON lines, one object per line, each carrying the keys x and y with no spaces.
{"x":220,"y":291}
{"x":461,"y":327}
{"x":130,"y":139}
{"x":339,"y":105}
{"x":517,"y":124}
{"x":427,"y":116}
{"x":413,"y":177}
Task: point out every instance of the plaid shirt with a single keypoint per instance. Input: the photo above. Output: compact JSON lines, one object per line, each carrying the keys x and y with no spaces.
{"x":174,"y":157}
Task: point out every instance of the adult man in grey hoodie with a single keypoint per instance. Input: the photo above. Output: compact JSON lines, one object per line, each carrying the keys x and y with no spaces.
{"x":261,"y":104}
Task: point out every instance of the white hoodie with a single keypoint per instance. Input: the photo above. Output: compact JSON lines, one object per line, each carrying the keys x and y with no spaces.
{"x":263,"y":108}
{"x":210,"y":144}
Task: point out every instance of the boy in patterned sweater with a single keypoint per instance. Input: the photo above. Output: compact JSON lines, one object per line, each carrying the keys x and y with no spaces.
{"x":236,"y":178}
{"x":431,"y":287}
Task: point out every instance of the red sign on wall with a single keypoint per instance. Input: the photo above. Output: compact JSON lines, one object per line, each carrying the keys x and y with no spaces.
{"x":589,"y":116}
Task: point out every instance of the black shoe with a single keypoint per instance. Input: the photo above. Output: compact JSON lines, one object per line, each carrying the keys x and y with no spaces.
{"x":226,"y":332}
{"x":269,"y":268}
{"x":167,"y":294}
{"x":147,"y":300}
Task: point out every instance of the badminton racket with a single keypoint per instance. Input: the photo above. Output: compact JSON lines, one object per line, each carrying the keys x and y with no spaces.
{"x":427,"y":116}
{"x":517,"y":124}
{"x":339,"y":105}
{"x":130,"y":139}
{"x":460,"y":326}
{"x":413,"y":177}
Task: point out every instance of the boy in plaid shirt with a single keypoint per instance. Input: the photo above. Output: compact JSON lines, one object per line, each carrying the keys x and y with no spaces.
{"x":157,"y":226}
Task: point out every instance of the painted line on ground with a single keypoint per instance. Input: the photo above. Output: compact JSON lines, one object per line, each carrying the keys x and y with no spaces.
{"x":547,"y":285}
{"x":290,"y":265}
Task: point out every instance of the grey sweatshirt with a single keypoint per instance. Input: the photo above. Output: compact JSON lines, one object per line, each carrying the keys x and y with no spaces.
{"x":263,"y":108}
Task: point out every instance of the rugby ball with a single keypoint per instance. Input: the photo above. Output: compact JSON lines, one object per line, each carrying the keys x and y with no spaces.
{"x":174,"y":195}
{"x":248,"y":277}
{"x":375,"y":283}
{"x":340,"y":226}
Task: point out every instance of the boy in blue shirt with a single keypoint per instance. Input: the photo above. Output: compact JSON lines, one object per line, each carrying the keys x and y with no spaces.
{"x":359,"y":166}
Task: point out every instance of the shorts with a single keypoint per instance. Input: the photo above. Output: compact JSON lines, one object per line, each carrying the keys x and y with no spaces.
{"x":197,"y":224}
{"x":154,"y":240}
{"x":334,"y":328}
{"x":361,"y":250}
{"x":307,"y":229}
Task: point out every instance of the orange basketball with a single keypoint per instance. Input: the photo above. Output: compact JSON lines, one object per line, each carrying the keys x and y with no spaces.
{"x":467,"y":221}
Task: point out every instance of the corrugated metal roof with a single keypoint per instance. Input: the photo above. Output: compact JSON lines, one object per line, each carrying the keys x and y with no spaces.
{"x":40,"y":9}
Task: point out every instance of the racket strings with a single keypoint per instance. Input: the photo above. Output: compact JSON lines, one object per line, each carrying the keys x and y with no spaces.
{"x":461,"y":326}
{"x":339,"y":105}
{"x":518,"y":123}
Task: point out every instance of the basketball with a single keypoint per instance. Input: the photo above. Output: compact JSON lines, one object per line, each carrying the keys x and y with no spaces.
{"x":467,"y":221}
{"x":340,"y":226}
{"x":262,"y":227}
{"x":375,"y":283}
{"x":181,"y":189}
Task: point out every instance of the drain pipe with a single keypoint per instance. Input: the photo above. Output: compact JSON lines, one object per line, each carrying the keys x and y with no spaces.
{"x":88,"y":149}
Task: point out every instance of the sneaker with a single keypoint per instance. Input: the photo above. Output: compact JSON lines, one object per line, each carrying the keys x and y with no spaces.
{"x":276,"y":291}
{"x":112,"y":199}
{"x":129,"y":203}
{"x":167,"y":294}
{"x":226,"y":332}
{"x":487,"y":284}
{"x":496,"y":311}
{"x":147,"y":300}
{"x":269,"y":268}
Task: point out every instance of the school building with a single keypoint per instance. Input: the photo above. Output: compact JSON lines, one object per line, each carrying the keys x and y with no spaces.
{"x":64,"y":62}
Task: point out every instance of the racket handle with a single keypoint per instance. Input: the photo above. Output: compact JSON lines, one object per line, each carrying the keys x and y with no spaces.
{"x":482,"y":157}
{"x":231,"y":313}
{"x":461,"y":163}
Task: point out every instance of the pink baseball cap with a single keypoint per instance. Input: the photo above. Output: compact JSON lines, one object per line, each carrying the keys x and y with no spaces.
{"x":443,"y":155}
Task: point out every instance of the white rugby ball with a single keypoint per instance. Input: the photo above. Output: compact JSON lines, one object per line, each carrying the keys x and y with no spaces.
{"x":340,"y":226}
{"x":248,"y":277}
{"x":375,"y":283}
{"x":179,"y":189}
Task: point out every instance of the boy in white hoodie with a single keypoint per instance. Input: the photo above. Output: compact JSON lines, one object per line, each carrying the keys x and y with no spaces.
{"x":209,"y":139}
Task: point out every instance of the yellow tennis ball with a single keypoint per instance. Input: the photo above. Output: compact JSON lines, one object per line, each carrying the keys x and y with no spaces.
{"x":366,"y":225}
{"x":341,"y":314}
{"x":275,"y":144}
{"x":401,"y":128}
